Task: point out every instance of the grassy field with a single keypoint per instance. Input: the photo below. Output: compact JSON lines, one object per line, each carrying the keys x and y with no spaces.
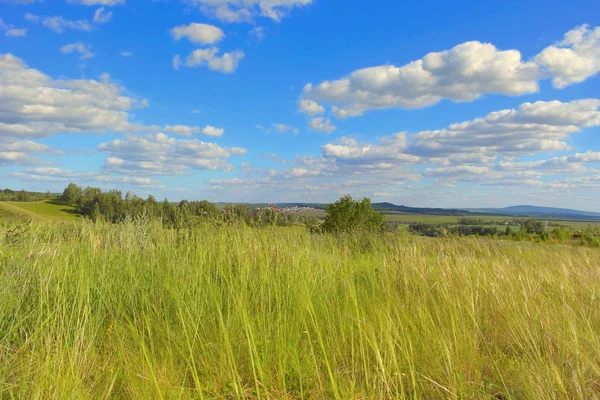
{"x":44,"y":210}
{"x":451,"y":219}
{"x":135,"y":311}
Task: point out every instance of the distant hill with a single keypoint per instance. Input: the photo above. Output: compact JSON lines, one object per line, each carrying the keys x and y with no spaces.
{"x":389,"y":207}
{"x":422,"y":210}
{"x":513,"y":211}
{"x":540,"y":212}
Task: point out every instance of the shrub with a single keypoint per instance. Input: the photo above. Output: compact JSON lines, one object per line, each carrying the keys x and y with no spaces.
{"x":348,"y":215}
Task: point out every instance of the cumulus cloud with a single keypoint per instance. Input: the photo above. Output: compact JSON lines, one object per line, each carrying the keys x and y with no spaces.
{"x":159,"y":154}
{"x":59,"y":24}
{"x":247,"y":10}
{"x":51,"y":174}
{"x":257,"y":33}
{"x":532,"y":128}
{"x":183,"y":130}
{"x":321,"y":124}
{"x":84,"y":50}
{"x":16,"y":32}
{"x":20,"y":1}
{"x":387,"y":152}
{"x":226,"y":63}
{"x":212,"y":131}
{"x":23,"y":152}
{"x":310,"y":108}
{"x":283,"y":128}
{"x":108,"y":3}
{"x":198,"y":33}
{"x":33,"y":104}
{"x":461,"y":74}
{"x":101,"y":16}
{"x":11,"y":31}
{"x":575,"y":58}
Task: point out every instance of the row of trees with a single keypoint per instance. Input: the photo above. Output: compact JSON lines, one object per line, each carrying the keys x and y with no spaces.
{"x":24,"y":195}
{"x":344,"y":216}
{"x":111,"y":206}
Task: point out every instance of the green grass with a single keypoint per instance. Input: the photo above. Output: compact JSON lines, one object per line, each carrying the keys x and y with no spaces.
{"x":135,"y":311}
{"x":47,"y":209}
{"x":451,"y":219}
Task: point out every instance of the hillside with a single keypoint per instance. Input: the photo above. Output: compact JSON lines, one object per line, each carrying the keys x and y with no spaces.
{"x":540,"y":212}
{"x":38,"y":210}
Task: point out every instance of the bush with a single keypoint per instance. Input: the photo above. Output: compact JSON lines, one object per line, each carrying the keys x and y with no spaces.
{"x":347,"y":215}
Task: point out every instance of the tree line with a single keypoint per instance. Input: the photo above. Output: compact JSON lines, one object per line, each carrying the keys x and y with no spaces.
{"x":24,"y":195}
{"x":112,"y":206}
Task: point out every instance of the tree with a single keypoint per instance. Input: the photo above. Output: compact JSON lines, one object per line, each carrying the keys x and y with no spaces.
{"x":533,"y":226}
{"x":348,"y":215}
{"x":71,"y":194}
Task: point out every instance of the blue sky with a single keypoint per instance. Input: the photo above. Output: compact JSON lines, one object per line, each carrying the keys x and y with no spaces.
{"x":427,"y":104}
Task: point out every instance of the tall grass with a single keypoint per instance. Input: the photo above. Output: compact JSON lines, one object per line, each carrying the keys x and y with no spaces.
{"x":134,"y":311}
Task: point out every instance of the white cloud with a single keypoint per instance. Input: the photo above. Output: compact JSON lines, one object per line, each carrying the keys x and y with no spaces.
{"x":461,"y":74}
{"x":198,"y":33}
{"x":23,"y":152}
{"x":575,"y":58}
{"x":227,"y":63}
{"x":158,"y":154}
{"x":310,"y":108}
{"x":530,"y":129}
{"x":19,"y":1}
{"x":51,"y":174}
{"x":246,"y":10}
{"x":257,"y":33}
{"x":32,"y":18}
{"x":58,"y":24}
{"x":33,"y":104}
{"x":283,"y":128}
{"x":176,"y":62}
{"x":183,"y":130}
{"x":16,"y":32}
{"x":126,"y":53}
{"x":212,"y":131}
{"x":321,"y":124}
{"x":101,"y":16}
{"x":84,"y":50}
{"x":108,"y":3}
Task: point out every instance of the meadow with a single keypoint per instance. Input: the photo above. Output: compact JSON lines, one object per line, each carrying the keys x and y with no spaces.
{"x":135,"y":310}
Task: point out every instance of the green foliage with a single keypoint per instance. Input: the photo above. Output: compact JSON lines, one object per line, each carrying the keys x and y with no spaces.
{"x":348,"y":215}
{"x":590,"y":237}
{"x":560,"y":234}
{"x":71,"y":195}
{"x":24,"y":196}
{"x":110,"y":206}
{"x":135,"y":310}
{"x":533,"y":226}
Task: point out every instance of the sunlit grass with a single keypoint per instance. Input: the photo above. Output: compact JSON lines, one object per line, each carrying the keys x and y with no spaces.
{"x":43,"y":209}
{"x":135,"y":311}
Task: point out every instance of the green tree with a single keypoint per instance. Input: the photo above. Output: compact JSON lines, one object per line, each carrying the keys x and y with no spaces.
{"x":71,"y":194}
{"x":348,"y":215}
{"x":533,"y":226}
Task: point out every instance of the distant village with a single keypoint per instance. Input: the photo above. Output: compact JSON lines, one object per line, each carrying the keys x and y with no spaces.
{"x":292,"y":209}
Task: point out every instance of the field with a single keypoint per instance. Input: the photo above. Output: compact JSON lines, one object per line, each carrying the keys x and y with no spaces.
{"x":402,"y":218}
{"x":44,"y":210}
{"x":136,"y":311}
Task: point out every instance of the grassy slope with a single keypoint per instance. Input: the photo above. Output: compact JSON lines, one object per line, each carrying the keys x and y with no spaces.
{"x":139,"y":312}
{"x":36,"y":210}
